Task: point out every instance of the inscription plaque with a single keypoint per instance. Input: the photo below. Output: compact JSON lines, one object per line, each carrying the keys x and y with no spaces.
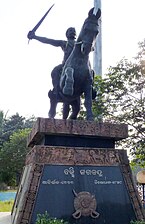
{"x":103,"y":183}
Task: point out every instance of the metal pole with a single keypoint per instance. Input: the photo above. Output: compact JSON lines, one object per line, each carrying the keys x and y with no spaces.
{"x":97,"y":57}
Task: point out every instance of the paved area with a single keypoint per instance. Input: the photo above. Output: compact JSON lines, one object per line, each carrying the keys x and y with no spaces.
{"x":5,"y":218}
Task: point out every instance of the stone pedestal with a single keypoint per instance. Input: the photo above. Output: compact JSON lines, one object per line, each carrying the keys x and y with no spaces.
{"x":74,"y":172}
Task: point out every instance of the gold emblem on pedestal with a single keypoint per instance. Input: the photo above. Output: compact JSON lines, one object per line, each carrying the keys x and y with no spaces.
{"x":85,"y":205}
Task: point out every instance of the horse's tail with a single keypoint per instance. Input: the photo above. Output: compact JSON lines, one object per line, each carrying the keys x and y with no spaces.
{"x":69,"y":81}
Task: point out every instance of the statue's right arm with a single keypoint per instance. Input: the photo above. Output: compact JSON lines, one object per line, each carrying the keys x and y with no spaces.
{"x":57,"y":43}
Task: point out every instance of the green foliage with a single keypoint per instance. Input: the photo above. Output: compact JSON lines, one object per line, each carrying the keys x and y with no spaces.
{"x":2,"y":119}
{"x":45,"y":219}
{"x":12,"y":124}
{"x":121,"y":99}
{"x":13,"y":156}
{"x":6,"y":206}
{"x":13,"y":136}
{"x":137,"y":222}
{"x":3,"y":186}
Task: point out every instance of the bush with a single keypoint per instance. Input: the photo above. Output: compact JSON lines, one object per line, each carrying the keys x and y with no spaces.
{"x":3,"y":187}
{"x":45,"y":219}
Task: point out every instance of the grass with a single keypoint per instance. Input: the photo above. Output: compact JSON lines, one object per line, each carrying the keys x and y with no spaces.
{"x":6,"y":206}
{"x":12,"y":190}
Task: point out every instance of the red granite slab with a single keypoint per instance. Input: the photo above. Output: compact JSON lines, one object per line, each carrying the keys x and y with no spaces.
{"x":46,"y":126}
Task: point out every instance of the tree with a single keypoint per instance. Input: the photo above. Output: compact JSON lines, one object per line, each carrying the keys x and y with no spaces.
{"x":13,"y":156}
{"x":121,"y":98}
{"x":13,"y":134}
{"x":2,"y":121}
{"x":14,"y":123}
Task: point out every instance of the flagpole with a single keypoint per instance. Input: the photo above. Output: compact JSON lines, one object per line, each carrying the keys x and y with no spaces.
{"x":97,"y":56}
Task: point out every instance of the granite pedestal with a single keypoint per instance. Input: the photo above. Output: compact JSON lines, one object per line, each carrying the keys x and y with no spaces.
{"x":74,"y":172}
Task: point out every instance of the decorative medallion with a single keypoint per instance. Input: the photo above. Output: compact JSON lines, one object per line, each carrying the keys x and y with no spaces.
{"x":85,"y":205}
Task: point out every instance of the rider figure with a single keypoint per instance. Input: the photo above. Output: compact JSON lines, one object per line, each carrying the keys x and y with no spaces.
{"x":66,"y":46}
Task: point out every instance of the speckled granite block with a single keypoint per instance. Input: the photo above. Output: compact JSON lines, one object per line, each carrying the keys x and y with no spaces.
{"x":57,"y":127}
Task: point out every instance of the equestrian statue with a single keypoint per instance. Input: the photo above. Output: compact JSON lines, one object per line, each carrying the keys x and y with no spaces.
{"x":74,"y":77}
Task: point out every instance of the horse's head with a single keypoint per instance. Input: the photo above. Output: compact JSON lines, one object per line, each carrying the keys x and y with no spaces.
{"x":89,"y":31}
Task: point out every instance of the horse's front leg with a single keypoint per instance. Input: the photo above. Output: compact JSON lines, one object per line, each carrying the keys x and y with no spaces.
{"x":88,"y":102}
{"x":66,"y":109}
{"x":53,"y":105}
{"x":75,"y":109}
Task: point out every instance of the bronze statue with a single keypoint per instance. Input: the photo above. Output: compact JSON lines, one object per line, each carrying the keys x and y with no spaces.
{"x":66,"y":46}
{"x":74,"y":76}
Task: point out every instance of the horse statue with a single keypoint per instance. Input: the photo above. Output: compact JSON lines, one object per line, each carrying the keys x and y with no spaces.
{"x":76,"y":77}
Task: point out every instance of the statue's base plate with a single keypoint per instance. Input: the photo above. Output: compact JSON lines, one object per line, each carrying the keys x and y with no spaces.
{"x":91,"y":186}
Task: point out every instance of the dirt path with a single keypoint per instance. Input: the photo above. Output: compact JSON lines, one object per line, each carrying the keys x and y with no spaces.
{"x":5,"y":218}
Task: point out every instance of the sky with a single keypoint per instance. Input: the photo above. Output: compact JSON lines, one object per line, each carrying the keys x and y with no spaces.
{"x":25,"y":68}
